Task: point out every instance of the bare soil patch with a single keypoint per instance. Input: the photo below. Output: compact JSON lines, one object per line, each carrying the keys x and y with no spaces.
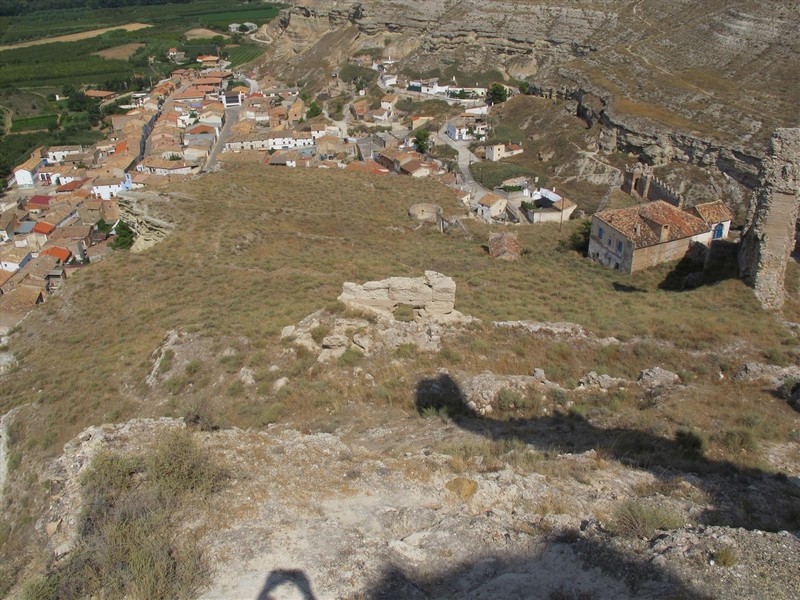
{"x":201,"y":33}
{"x":120,"y":52}
{"x":74,"y":37}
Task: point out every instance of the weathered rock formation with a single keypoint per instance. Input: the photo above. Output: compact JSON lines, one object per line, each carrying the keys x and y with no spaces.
{"x":431,"y":297}
{"x":770,"y":234}
{"x":135,"y":210}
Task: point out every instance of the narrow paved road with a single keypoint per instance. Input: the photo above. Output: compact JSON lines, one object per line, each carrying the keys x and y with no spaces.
{"x":465,"y":160}
{"x":231,"y":116}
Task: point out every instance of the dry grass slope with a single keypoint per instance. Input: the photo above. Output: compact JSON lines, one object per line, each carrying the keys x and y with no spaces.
{"x":257,"y":249}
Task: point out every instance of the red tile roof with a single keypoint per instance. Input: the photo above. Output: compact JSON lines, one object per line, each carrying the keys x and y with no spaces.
{"x":61,"y":254}
{"x":642,"y":224}
{"x":42,"y":227}
{"x":713,"y":212}
{"x":40,"y":200}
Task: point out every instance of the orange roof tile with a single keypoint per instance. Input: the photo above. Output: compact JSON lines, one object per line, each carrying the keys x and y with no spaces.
{"x":61,"y":254}
{"x":640,"y":223}
{"x":42,"y":227}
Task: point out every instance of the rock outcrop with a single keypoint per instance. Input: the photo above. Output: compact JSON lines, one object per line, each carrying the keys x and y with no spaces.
{"x":769,"y":238}
{"x":432,"y":297}
{"x":135,"y":210}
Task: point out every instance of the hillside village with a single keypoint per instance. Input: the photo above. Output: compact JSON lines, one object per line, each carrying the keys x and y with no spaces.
{"x":62,"y":204}
{"x":423,"y":301}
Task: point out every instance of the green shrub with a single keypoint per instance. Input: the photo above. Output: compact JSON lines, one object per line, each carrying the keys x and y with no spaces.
{"x":166,"y":361}
{"x":636,"y":519}
{"x":451,"y":355}
{"x":319,"y":333}
{"x":737,"y":440}
{"x":351,"y":357}
{"x":691,"y":443}
{"x":508,"y":399}
{"x":406,"y":351}
{"x":178,"y":465}
{"x":726,"y":557}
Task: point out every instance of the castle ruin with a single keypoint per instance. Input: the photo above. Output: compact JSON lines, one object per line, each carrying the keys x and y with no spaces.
{"x":639,"y":179}
{"x":769,"y":236}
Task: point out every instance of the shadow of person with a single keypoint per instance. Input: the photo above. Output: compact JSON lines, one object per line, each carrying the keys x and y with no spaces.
{"x":740,"y":496}
{"x":281,"y":577}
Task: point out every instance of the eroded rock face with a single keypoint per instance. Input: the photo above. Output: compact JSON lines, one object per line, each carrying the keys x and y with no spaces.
{"x":431,"y":297}
{"x":769,"y":238}
{"x":136,"y":209}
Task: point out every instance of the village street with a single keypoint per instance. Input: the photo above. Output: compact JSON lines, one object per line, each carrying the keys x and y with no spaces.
{"x":231,"y":117}
{"x":465,"y":159}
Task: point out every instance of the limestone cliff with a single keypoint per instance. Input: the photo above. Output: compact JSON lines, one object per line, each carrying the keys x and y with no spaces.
{"x":705,"y":82}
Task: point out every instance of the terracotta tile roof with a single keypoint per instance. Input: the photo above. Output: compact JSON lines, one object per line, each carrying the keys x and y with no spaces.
{"x":367,"y":166}
{"x":40,"y":200}
{"x":5,"y":276}
{"x":61,"y":254}
{"x":504,"y":245}
{"x":21,"y":298}
{"x":713,"y":212}
{"x":42,"y":227}
{"x":490,"y":199}
{"x":71,"y":186}
{"x":643,"y":224}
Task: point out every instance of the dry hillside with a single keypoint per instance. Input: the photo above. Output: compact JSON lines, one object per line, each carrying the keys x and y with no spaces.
{"x":368,"y":475}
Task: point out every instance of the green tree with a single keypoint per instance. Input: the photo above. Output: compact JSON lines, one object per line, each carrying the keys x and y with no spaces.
{"x":422,"y":140}
{"x":314,"y":110}
{"x":497,"y":94}
{"x":124,"y":236}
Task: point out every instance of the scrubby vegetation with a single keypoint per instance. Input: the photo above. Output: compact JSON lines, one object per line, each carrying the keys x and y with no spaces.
{"x":128,"y":545}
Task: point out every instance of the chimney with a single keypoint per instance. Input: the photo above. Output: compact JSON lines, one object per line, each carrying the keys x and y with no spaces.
{"x":637,"y":229}
{"x":663,"y":235}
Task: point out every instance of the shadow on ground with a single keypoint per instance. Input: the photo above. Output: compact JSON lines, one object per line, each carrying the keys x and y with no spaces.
{"x":569,"y":568}
{"x":741,"y":497}
{"x":692,"y":272}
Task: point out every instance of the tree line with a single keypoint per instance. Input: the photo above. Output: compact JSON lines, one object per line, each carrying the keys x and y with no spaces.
{"x":10,"y":8}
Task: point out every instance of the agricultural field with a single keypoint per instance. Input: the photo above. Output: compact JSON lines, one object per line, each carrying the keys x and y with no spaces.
{"x":34,"y":123}
{"x":53,"y":23}
{"x":242,"y":54}
{"x":112,"y":59}
{"x":123,"y":52}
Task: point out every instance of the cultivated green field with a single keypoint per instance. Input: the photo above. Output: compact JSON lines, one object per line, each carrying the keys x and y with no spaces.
{"x":34,"y":123}
{"x":209,"y":13}
{"x":29,"y":74}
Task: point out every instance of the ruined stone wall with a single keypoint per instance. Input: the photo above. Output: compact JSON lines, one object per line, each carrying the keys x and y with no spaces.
{"x":431,"y":297}
{"x":639,"y":179}
{"x":769,"y":236}
{"x":659,"y":190}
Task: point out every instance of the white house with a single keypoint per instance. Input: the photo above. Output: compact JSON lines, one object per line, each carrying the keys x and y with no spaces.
{"x":462,"y":129}
{"x":387,"y":79}
{"x":13,"y":258}
{"x":497,"y":152}
{"x":491,"y":206}
{"x":25,"y":174}
{"x":274,"y":140}
{"x":57,"y":154}
{"x":107,"y":188}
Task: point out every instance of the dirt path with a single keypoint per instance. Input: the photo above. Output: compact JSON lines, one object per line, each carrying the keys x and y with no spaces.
{"x":74,"y":37}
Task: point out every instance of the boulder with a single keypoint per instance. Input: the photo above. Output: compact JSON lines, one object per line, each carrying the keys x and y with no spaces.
{"x":604,"y":382}
{"x":658,"y":377}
